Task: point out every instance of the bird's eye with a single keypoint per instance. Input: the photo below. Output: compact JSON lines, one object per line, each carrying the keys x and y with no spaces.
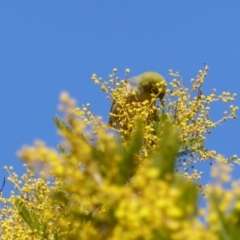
{"x":154,"y":90}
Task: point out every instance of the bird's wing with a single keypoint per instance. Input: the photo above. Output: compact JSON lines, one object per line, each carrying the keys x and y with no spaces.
{"x":133,"y":83}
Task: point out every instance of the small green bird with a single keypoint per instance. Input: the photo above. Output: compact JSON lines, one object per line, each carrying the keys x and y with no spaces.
{"x":144,"y":85}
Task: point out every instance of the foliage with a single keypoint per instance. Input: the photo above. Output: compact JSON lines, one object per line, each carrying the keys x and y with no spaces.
{"x":121,"y":183}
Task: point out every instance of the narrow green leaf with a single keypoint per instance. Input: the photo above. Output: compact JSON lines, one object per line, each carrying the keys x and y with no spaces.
{"x":30,"y":218}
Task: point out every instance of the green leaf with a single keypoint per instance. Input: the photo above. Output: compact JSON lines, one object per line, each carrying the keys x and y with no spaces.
{"x":164,"y":156}
{"x":31,"y":218}
{"x":128,"y":164}
{"x":61,"y":124}
{"x":69,"y":128}
{"x":183,"y":151}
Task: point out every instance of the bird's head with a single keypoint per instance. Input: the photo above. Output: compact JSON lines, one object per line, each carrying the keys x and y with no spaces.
{"x":152,"y":82}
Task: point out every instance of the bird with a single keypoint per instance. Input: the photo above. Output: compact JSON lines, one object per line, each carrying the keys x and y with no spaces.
{"x":144,"y":85}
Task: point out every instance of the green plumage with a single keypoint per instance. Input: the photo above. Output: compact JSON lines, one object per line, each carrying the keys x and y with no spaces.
{"x":144,"y":85}
{"x":148,"y":82}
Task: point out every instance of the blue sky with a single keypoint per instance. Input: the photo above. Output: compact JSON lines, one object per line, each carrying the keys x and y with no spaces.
{"x":50,"y":46}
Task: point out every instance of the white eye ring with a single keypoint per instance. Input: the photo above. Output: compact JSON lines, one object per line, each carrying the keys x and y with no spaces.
{"x":154,"y":90}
